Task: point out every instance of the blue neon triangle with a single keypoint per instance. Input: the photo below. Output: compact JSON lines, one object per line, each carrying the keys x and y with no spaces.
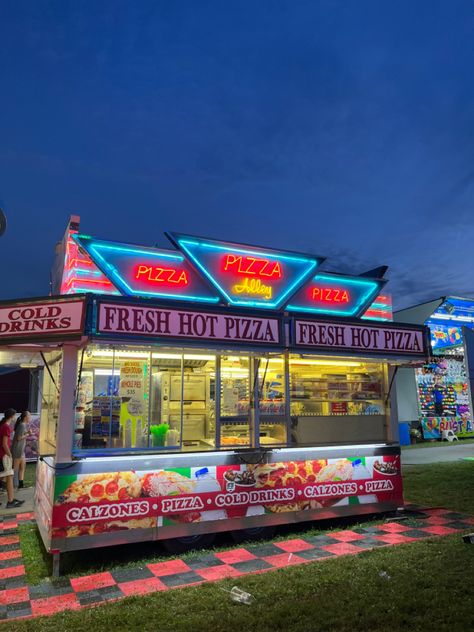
{"x":248,"y":276}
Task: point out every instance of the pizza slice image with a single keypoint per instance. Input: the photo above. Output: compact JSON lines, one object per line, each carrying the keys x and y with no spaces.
{"x":92,"y":488}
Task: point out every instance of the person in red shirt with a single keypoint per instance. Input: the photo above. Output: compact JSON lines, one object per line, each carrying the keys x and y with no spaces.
{"x":6,"y":460}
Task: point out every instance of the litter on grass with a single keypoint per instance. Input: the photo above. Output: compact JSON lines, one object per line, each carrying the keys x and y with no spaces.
{"x":240,"y":596}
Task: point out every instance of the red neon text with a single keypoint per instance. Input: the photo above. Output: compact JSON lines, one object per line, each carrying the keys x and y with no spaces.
{"x":252,"y":266}
{"x":154,"y":274}
{"x":329,"y":295}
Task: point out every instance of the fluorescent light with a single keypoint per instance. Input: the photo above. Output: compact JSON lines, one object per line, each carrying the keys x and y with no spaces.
{"x":106,"y":372}
{"x":97,"y":353}
{"x":324,"y":448}
{"x":325,"y":362}
{"x":28,"y":365}
{"x":119,"y":354}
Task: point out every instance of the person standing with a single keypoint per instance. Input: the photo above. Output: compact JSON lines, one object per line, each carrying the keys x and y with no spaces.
{"x":20,"y":432}
{"x":6,"y":460}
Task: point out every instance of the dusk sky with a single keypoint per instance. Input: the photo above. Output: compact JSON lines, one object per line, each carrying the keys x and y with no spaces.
{"x":345,"y":129}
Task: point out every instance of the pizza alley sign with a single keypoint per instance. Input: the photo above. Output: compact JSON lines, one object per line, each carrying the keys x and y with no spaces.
{"x":229,"y":284}
{"x":203,"y":270}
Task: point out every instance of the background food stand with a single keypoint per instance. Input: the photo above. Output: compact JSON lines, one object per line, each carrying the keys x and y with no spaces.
{"x":216,"y":386}
{"x":438,"y":395}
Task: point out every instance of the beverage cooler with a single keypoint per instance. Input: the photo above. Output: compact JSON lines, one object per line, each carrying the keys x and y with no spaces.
{"x":183,"y":402}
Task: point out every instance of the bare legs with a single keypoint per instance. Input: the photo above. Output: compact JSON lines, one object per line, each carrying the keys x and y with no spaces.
{"x":19,"y":466}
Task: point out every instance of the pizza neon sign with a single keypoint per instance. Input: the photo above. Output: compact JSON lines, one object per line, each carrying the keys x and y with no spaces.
{"x":329,"y":295}
{"x":336,"y":294}
{"x":161,"y":276}
{"x":245,"y":275}
{"x":148,"y":272}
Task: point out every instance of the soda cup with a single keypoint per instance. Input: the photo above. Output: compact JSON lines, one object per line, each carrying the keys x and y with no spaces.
{"x":387,"y":469}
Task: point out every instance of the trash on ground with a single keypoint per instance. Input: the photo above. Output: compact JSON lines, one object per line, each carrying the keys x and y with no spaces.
{"x":240,"y":596}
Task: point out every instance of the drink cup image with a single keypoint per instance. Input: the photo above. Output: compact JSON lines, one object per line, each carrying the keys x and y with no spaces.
{"x":387,"y":469}
{"x":235,"y":482}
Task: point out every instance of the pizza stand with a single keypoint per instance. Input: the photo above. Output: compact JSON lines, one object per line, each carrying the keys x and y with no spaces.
{"x":210,"y":387}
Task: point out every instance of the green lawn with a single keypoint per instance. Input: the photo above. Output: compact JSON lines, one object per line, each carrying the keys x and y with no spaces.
{"x":430,"y":587}
{"x":430,"y":583}
{"x":30,"y":474}
{"x":448,"y":485}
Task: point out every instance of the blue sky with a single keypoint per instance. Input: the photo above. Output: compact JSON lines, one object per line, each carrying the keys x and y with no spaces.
{"x":340,"y":128}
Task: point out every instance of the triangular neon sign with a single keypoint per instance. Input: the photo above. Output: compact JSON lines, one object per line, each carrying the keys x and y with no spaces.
{"x":336,"y":295}
{"x":147,"y":272}
{"x":248,"y":276}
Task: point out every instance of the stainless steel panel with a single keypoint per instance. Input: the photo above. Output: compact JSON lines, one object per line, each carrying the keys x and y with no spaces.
{"x":89,"y":465}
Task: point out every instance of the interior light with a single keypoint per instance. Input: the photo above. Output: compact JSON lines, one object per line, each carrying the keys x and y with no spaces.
{"x":106,"y":372}
{"x":98,"y":353}
{"x":28,"y":365}
{"x":324,"y":362}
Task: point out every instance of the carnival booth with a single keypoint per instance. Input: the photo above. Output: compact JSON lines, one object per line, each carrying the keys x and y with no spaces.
{"x":440,"y":391}
{"x":213,"y":386}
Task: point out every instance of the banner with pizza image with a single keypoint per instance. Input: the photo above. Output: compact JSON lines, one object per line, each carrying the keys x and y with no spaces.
{"x":100,"y":503}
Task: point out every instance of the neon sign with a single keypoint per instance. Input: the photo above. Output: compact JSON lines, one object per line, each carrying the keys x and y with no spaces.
{"x":80,"y":274}
{"x":252,"y":266}
{"x":329,"y":295}
{"x":336,"y":294}
{"x":148,"y":272}
{"x":155,"y":274}
{"x":380,"y":309}
{"x":246,"y":275}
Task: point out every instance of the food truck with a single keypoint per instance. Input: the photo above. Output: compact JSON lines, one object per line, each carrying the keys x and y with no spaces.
{"x":209,"y":387}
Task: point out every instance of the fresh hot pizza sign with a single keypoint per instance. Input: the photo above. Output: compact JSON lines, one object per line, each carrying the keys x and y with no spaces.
{"x":160,"y":322}
{"x":246,"y":275}
{"x":41,"y":320}
{"x":354,"y":337}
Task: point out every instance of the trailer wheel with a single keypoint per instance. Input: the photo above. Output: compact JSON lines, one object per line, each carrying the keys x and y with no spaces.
{"x":255,"y":533}
{"x":188,"y":542}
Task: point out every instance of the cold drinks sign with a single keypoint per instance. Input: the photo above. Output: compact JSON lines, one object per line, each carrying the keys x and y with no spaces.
{"x":373,"y":338}
{"x":38,"y":320}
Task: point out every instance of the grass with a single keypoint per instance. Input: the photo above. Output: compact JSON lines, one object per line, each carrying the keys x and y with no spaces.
{"x":441,"y":485}
{"x":430,"y":585}
{"x":30,"y":474}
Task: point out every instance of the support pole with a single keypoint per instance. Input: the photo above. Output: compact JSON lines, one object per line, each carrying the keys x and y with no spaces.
{"x":56,"y":561}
